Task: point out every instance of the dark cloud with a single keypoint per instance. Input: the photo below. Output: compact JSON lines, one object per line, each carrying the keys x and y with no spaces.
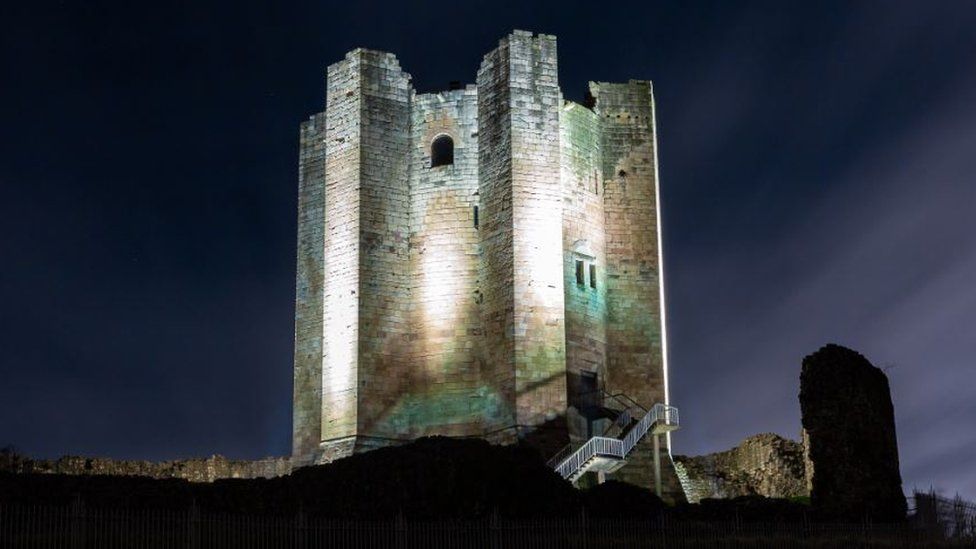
{"x":817,"y":174}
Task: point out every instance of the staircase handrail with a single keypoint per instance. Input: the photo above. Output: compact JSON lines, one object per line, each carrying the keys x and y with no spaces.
{"x":613,"y":447}
{"x":658,"y":413}
{"x":622,"y":421}
{"x":563,"y":452}
{"x":621,"y":398}
{"x":629,"y":402}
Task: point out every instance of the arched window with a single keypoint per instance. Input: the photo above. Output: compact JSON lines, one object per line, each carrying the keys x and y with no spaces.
{"x":442,"y":151}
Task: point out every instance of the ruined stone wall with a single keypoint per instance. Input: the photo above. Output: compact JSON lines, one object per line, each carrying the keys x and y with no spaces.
{"x":583,"y":241}
{"x":765,"y":464}
{"x":448,"y":353}
{"x":384,"y":299}
{"x":849,"y":427}
{"x":307,"y":396}
{"x":193,"y":470}
{"x":635,"y":338}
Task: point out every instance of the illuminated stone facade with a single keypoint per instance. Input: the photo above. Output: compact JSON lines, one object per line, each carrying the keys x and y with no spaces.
{"x":487,"y":296}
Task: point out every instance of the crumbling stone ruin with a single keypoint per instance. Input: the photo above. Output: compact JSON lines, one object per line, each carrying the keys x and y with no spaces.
{"x":765,"y":465}
{"x":849,"y":434}
{"x":193,"y":470}
{"x":483,"y":261}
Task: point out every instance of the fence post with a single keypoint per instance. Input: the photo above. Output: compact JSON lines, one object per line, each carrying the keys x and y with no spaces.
{"x":301,"y":529}
{"x":77,"y":523}
{"x":493,"y":530}
{"x":806,"y":524}
{"x":661,"y":522}
{"x":193,"y":526}
{"x":584,"y":535}
{"x":401,"y":530}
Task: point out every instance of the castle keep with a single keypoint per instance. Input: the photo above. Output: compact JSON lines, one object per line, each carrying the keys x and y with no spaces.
{"x":483,"y":261}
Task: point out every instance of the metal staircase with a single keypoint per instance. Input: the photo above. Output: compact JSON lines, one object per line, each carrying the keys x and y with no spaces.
{"x":607,"y":454}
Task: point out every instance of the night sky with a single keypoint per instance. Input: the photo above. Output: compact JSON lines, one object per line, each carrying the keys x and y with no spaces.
{"x":818,"y":168}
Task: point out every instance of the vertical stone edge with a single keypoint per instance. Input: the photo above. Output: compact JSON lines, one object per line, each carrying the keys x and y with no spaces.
{"x":386,"y":375}
{"x":307,"y":396}
{"x":495,"y":236}
{"x":341,"y":247}
{"x":674,"y":488}
{"x":537,"y":247}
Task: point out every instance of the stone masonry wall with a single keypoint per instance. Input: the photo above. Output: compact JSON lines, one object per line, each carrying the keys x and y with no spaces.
{"x":383,"y":295}
{"x":193,"y":470}
{"x":583,"y":241}
{"x":341,"y":250}
{"x":540,"y":351}
{"x":412,"y":319}
{"x":307,"y":397}
{"x":448,"y":334}
{"x":495,"y":233}
{"x":528,"y":82}
{"x":766,"y":465}
{"x":634,"y":327}
{"x":635,"y":338}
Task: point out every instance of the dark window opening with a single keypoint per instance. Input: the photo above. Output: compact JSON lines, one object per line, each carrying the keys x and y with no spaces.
{"x":442,"y":151}
{"x":592,"y":275}
{"x":475,"y":217}
{"x":622,"y":173}
{"x":579,"y":273}
{"x":589,"y":391}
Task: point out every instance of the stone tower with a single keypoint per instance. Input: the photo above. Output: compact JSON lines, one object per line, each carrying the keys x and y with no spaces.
{"x":850,"y":444}
{"x":483,"y":261}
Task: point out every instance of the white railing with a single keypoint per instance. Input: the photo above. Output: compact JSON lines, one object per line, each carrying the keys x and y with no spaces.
{"x":661,"y":415}
{"x":596,"y":446}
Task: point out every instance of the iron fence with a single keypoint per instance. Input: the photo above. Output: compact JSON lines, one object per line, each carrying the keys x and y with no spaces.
{"x":953,"y":518}
{"x":78,"y":527}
